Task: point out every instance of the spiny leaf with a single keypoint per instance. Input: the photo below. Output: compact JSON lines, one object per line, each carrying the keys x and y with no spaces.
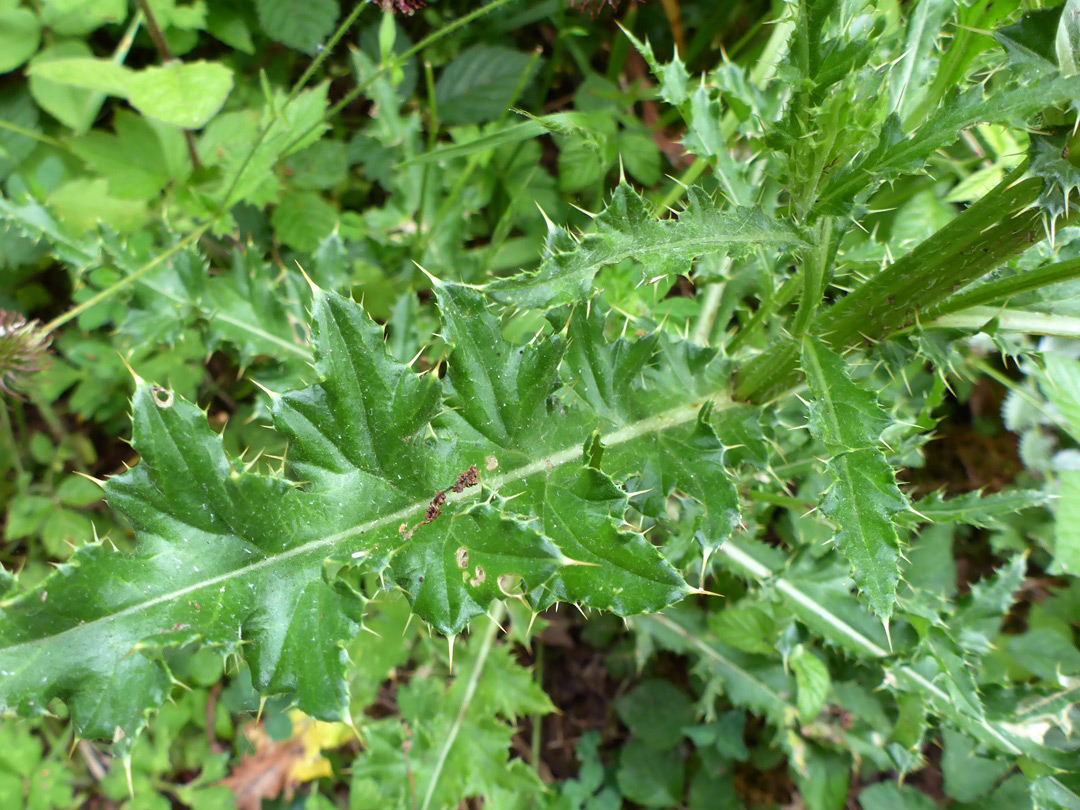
{"x":978,"y":621}
{"x":843,"y":416}
{"x":674,"y":80}
{"x":33,"y":220}
{"x":862,"y":501}
{"x":628,"y":229}
{"x":382,"y":476}
{"x":499,"y":389}
{"x":899,"y":153}
{"x":974,"y":508}
{"x":864,"y":496}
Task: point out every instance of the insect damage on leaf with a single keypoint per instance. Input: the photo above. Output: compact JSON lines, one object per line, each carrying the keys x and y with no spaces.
{"x":465,"y":480}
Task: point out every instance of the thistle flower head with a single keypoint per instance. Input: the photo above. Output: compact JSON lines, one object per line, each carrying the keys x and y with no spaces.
{"x":401,"y":6}
{"x":23,"y":350}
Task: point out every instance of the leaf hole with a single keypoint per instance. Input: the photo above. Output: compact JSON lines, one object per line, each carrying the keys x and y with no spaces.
{"x":162,"y":397}
{"x":478,"y":577}
{"x":511,"y":584}
{"x":462,"y":556}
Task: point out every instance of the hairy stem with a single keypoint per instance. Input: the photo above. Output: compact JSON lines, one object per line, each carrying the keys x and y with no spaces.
{"x":1000,"y":225}
{"x":1004,"y":288}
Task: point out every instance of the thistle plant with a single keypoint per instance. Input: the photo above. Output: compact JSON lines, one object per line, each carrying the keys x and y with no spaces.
{"x":634,"y":403}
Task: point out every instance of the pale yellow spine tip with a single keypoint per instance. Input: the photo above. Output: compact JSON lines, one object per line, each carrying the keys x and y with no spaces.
{"x":307,"y":278}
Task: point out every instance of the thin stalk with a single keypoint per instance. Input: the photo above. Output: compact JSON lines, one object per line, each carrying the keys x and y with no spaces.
{"x":679,"y":187}
{"x":298,"y":85}
{"x":788,"y":290}
{"x":166,"y":56}
{"x":556,"y":52}
{"x":713,"y":295}
{"x":430,"y":39}
{"x":8,"y":437}
{"x":915,"y":681}
{"x":954,"y":61}
{"x":94,"y":100}
{"x":760,"y":496}
{"x":433,"y":135}
{"x":32,"y":133}
{"x":486,"y":644}
{"x":474,"y":162}
{"x":127,"y":281}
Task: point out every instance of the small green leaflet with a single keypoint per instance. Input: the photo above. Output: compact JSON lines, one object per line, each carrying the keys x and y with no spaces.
{"x":864,"y":497}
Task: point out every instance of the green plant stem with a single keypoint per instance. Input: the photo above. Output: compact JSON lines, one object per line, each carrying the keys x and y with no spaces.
{"x":556,"y":52}
{"x":1001,"y":224}
{"x":906,"y":676}
{"x":432,"y":139}
{"x":8,"y":437}
{"x":815,"y":266}
{"x":954,"y":61}
{"x":1004,"y":288}
{"x":162,"y":47}
{"x":31,"y":133}
{"x":537,"y":727}
{"x":486,"y":644}
{"x":679,"y":187}
{"x":788,"y":290}
{"x":94,"y":100}
{"x":472,"y":163}
{"x":126,"y":281}
{"x":709,"y":307}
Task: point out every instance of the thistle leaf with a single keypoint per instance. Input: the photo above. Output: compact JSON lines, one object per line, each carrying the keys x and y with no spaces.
{"x":627,"y":229}
{"x":384,"y":473}
{"x":975,"y":508}
{"x":864,"y":496}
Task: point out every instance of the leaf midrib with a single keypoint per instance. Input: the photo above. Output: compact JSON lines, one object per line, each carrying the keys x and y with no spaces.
{"x":652,"y":246}
{"x":665,"y":420}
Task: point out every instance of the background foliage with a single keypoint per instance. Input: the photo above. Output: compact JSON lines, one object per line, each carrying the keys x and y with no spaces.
{"x":380,"y":328}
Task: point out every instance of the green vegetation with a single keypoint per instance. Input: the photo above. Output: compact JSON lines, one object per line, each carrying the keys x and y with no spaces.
{"x":668,"y":404}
